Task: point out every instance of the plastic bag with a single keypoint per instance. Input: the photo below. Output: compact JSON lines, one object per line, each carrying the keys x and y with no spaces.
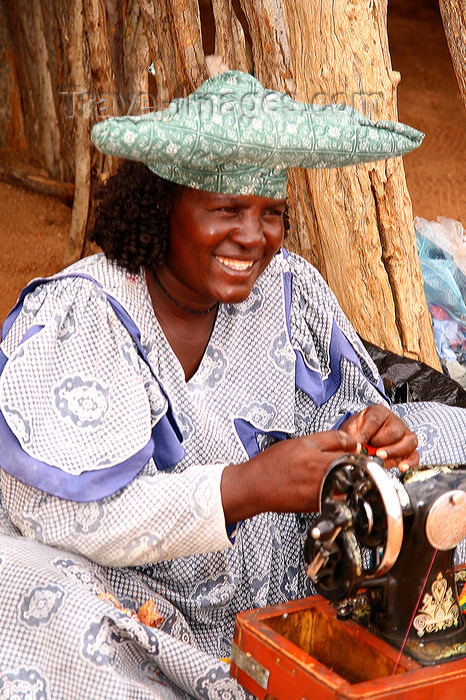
{"x":407,"y":380}
{"x":447,"y":234}
{"x":442,"y":253}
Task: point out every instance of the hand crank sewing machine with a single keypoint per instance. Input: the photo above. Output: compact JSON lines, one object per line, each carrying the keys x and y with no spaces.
{"x":387,"y":620}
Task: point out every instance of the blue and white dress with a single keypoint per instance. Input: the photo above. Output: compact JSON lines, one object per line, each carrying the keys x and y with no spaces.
{"x":111,"y":469}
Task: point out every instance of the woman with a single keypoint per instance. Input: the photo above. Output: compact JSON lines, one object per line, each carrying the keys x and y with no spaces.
{"x":146,"y":396}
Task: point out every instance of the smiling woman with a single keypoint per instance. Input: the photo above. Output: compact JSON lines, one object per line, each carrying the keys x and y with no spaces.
{"x":220,"y":245}
{"x":169,"y":407}
{"x":205,"y":248}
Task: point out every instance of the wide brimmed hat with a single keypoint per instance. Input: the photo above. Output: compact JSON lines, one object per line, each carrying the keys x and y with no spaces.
{"x":233,"y":136}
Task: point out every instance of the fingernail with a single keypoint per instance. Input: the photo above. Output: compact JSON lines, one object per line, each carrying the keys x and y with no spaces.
{"x":383,"y":454}
{"x":403,"y":466}
{"x":358,"y":447}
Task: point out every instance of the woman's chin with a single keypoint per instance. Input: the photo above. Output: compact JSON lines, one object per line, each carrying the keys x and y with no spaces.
{"x":234,"y":296}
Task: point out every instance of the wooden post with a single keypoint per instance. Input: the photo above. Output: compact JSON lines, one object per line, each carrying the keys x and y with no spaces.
{"x":358,"y":220}
{"x":454,"y":23}
{"x":82,"y":148}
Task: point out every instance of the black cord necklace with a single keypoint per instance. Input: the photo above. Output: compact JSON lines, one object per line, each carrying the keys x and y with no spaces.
{"x":185,"y":308}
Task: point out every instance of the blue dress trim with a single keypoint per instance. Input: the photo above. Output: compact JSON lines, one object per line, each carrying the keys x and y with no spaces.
{"x":311,"y":382}
{"x":85,"y":487}
{"x":248,"y":435}
{"x":164,"y":445}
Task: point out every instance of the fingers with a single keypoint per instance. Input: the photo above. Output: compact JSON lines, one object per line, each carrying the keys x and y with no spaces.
{"x":296,"y":488}
{"x":363,"y":425}
{"x":410,"y":461}
{"x":381,"y":429}
{"x":378,"y":426}
{"x":333,"y":441}
{"x":400,"y":450}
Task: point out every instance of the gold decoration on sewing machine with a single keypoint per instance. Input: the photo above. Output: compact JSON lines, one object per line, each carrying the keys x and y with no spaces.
{"x":455,"y":650}
{"x":438,"y":610}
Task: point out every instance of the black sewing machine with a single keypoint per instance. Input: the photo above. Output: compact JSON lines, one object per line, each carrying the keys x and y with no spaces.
{"x":384,"y":549}
{"x":387,"y":622}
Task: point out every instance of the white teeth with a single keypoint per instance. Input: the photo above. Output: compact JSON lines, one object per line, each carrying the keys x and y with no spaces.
{"x":235,"y":264}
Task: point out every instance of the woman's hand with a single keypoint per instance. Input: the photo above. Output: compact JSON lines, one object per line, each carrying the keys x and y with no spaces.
{"x":378,"y":427}
{"x":285,"y":478}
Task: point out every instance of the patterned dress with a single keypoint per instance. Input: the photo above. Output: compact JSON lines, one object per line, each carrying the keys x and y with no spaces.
{"x":111,"y":468}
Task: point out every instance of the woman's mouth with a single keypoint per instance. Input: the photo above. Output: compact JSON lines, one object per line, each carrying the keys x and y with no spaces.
{"x":235,"y":264}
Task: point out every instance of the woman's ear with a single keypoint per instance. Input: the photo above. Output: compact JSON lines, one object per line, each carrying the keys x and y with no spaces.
{"x":286,"y":222}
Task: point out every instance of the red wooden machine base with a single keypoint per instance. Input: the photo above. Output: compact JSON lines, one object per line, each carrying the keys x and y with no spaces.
{"x":301,"y":651}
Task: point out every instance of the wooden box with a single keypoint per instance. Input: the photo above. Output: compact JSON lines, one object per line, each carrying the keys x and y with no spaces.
{"x":301,"y":651}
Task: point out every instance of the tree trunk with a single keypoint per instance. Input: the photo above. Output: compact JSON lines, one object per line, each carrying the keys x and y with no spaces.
{"x":82,"y":148}
{"x":362,"y":237}
{"x":454,"y":23}
{"x":33,"y":60}
{"x":12,"y":127}
{"x":354,"y":224}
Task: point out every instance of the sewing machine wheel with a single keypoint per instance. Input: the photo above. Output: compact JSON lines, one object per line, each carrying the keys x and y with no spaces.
{"x":361,"y":519}
{"x":373,"y":497}
{"x":343,"y":565}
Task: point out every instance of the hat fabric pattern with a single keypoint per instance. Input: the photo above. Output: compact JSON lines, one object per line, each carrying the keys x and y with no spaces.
{"x":235,"y":137}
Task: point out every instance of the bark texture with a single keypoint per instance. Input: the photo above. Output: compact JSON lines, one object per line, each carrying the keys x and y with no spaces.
{"x":454,"y":21}
{"x":91,"y":60}
{"x":358,"y":220}
{"x":82,"y":147}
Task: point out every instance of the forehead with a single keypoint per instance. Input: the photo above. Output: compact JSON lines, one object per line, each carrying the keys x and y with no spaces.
{"x":204,"y":198}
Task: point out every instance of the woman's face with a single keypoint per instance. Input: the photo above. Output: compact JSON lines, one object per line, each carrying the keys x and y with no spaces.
{"x":219,"y":245}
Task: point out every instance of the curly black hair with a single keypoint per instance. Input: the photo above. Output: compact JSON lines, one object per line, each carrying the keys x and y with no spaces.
{"x":131,"y":220}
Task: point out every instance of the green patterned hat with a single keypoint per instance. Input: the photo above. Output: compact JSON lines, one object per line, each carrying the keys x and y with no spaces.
{"x":233,"y":136}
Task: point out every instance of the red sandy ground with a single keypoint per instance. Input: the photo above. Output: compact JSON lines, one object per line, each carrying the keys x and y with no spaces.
{"x":34,"y":228}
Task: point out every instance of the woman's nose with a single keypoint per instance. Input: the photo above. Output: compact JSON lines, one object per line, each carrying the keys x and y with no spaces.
{"x":248,"y":232}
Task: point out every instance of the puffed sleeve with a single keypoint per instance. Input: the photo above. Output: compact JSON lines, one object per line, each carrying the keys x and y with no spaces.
{"x":87,"y":436}
{"x":335,"y":377}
